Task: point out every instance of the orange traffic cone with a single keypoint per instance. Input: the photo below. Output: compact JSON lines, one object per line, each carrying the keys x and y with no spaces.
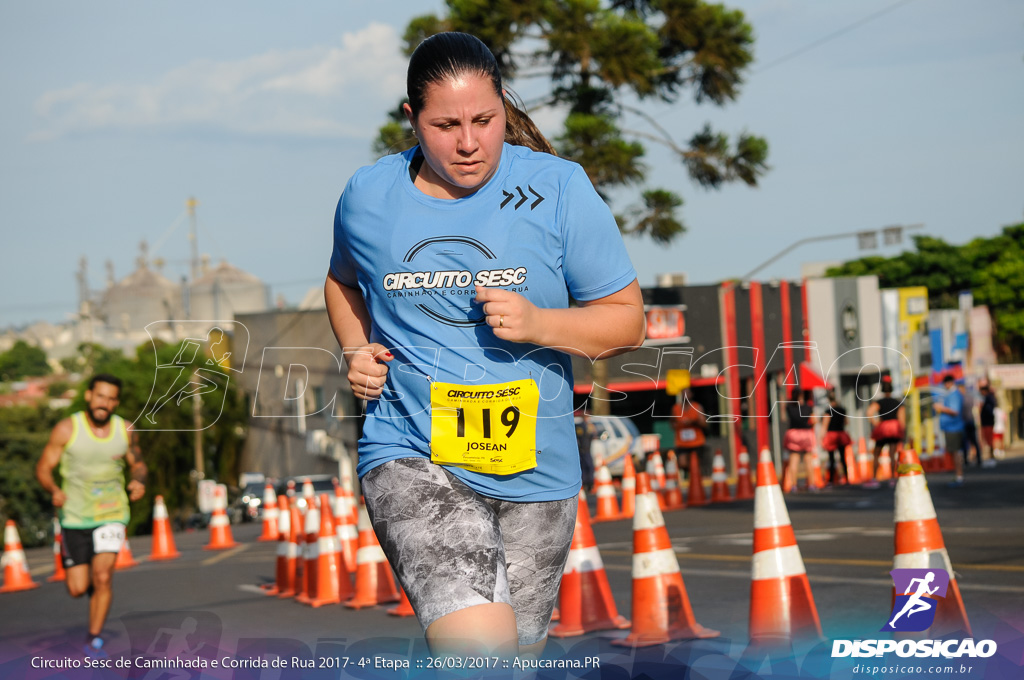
{"x":661,"y":607}
{"x":163,"y":547}
{"x":919,"y":544}
{"x":16,"y":576}
{"x":865,"y":462}
{"x":607,"y":505}
{"x":308,"y":493}
{"x":656,"y":474}
{"x":125,"y":560}
{"x":220,"y":525}
{"x":288,"y":580}
{"x":59,"y":573}
{"x":345,"y":518}
{"x":815,"y":481}
{"x":348,"y":488}
{"x":884,"y":472}
{"x":585,"y":601}
{"x":697,"y":496}
{"x":374,"y":582}
{"x":719,"y":480}
{"x":781,"y":603}
{"x":270,"y":515}
{"x":628,"y":487}
{"x":311,"y":547}
{"x":673,"y":492}
{"x":404,"y":607}
{"x":927,"y":461}
{"x":744,"y":487}
{"x":284,"y":524}
{"x":328,"y":560}
{"x":851,"y":465}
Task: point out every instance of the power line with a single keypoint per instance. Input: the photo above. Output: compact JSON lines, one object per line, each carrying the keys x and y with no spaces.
{"x":831,"y":36}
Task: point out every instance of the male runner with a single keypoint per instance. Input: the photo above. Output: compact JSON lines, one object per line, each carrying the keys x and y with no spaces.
{"x":92,"y":447}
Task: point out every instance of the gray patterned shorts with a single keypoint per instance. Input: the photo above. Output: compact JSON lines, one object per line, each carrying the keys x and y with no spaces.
{"x":453,"y":548}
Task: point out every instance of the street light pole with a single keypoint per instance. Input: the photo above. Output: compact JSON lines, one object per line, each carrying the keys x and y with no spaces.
{"x":892,"y":234}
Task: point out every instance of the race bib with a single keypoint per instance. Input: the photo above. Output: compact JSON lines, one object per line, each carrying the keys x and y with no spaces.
{"x":108,"y":538}
{"x":485,"y":428}
{"x":688,"y":435}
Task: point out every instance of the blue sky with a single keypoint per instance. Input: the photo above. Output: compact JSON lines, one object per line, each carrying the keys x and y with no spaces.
{"x":114,"y":113}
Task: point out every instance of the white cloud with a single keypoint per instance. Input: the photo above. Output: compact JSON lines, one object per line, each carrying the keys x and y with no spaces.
{"x":334,"y":91}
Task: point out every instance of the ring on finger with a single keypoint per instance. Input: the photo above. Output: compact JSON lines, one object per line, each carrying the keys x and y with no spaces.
{"x":501,"y":321}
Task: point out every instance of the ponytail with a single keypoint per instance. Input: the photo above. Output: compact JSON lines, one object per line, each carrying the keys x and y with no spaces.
{"x":520,"y":130}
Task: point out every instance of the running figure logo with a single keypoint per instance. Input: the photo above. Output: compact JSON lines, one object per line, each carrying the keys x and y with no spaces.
{"x":917,"y":591}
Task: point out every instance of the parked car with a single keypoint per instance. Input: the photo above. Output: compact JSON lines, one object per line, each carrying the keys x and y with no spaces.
{"x":615,"y":438}
{"x":249,"y":502}
{"x":321,"y":484}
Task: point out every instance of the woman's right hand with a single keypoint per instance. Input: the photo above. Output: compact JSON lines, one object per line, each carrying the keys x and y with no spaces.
{"x":367,"y":370}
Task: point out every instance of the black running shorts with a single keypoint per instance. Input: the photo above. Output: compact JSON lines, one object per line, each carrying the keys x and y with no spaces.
{"x":77,"y":547}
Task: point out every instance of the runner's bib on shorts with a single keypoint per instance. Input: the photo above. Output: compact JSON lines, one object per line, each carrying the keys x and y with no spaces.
{"x":485,"y":428}
{"x":108,"y":538}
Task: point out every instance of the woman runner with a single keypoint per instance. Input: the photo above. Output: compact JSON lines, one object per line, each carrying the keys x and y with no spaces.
{"x":449,"y":290}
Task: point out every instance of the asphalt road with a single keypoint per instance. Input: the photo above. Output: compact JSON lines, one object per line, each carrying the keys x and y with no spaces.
{"x":207,"y":604}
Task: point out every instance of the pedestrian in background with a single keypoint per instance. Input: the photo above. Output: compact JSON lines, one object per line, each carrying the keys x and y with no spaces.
{"x":987,"y":416}
{"x":970,"y":428}
{"x":585,"y":433}
{"x":950,"y":406}
{"x":889,"y":417}
{"x":835,"y":439}
{"x":689,"y":425}
{"x":799,"y":439}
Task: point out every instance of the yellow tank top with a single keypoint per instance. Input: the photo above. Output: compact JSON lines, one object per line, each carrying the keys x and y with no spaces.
{"x":92,"y":474}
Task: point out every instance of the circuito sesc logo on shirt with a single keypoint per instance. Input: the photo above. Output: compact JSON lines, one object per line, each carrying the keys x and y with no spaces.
{"x":442,"y":286}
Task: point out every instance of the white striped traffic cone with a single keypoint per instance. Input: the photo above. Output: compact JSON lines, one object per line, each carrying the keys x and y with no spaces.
{"x":719,"y":480}
{"x":15,"y":568}
{"x":270,"y":515}
{"x":163,"y":547}
{"x":661,"y":607}
{"x":220,"y":525}
{"x":919,"y":543}
{"x":585,"y":601}
{"x":607,"y":505}
{"x":59,"y":573}
{"x":781,"y":604}
{"x":374,"y":582}
{"x":673,"y":488}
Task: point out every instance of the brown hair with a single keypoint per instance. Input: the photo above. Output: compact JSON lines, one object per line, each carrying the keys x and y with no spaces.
{"x":452,"y":54}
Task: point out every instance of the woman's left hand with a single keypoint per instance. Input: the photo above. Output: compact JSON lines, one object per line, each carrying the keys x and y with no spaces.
{"x":510,"y":315}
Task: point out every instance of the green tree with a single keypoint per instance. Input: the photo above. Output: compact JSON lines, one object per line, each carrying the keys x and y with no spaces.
{"x":991,"y":268}
{"x":23,"y":433}
{"x":602,"y":60}
{"x":88,"y":356}
{"x":168,"y":452}
{"x":23,"y":360}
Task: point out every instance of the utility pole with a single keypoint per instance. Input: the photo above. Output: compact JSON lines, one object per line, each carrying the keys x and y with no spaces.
{"x":199,"y":472}
{"x":191,"y":204}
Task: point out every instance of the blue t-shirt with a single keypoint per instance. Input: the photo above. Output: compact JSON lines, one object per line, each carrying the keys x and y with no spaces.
{"x":538,"y":228}
{"x":952,"y":423}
